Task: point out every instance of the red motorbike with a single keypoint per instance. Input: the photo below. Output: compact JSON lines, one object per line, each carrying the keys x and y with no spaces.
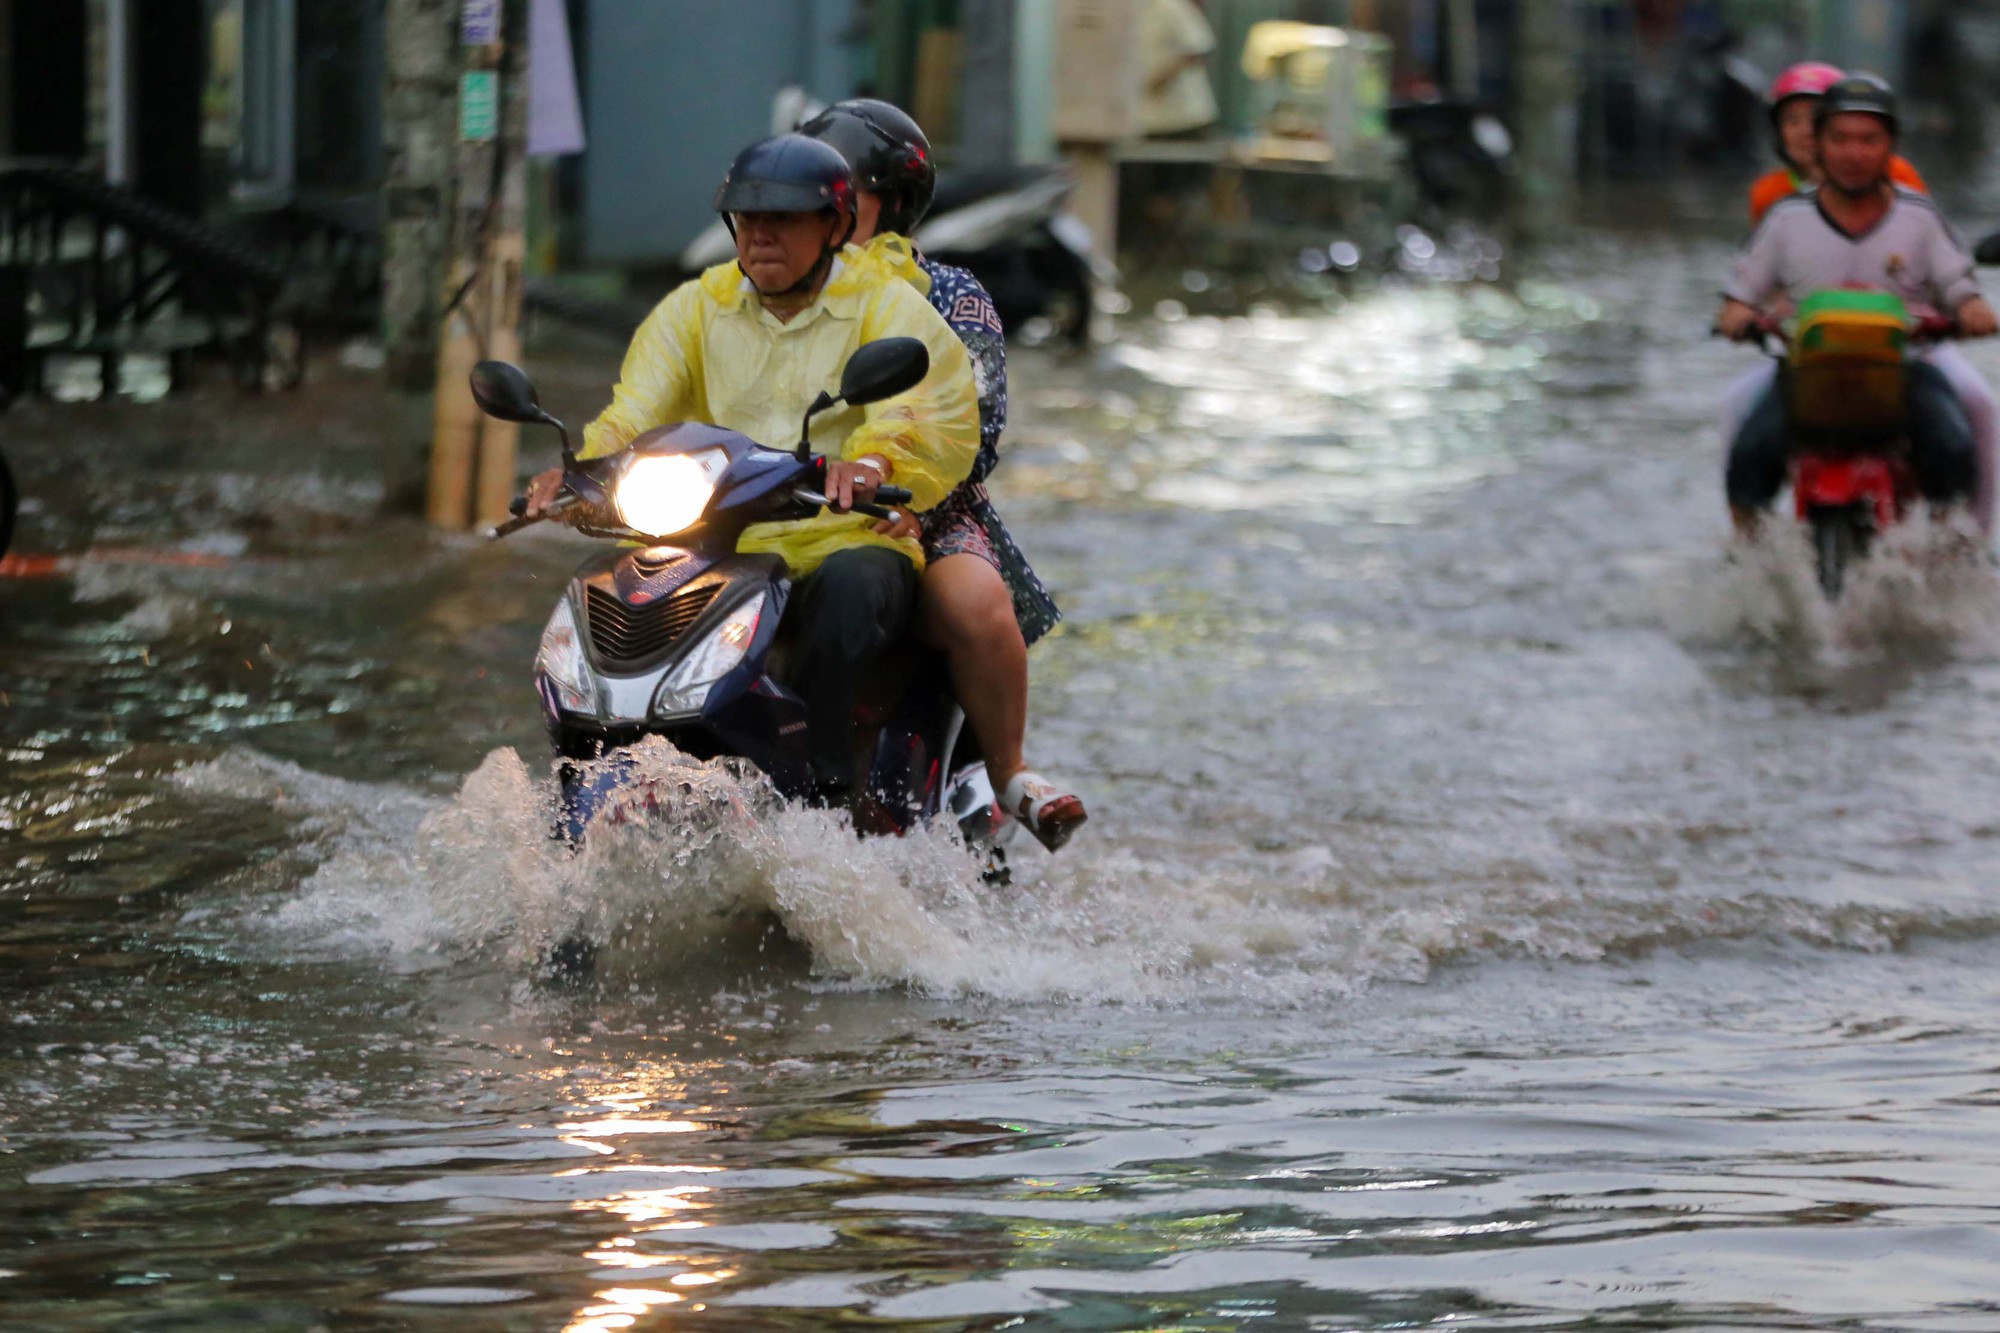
{"x":1843,"y":371}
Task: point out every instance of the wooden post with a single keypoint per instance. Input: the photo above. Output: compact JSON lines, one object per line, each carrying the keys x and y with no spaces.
{"x":472,"y":457}
{"x":455,"y":417}
{"x":499,"y":441}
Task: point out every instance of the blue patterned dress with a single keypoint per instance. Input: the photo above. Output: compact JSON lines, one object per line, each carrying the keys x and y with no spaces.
{"x":965,"y":522}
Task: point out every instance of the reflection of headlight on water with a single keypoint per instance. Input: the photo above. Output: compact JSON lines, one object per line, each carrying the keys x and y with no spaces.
{"x":661,"y":496}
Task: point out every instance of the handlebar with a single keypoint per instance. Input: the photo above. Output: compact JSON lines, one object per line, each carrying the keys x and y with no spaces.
{"x":1935,"y":328}
{"x":1929,"y":329}
{"x":893,"y":494}
{"x":886,"y":495}
{"x":523,"y":519}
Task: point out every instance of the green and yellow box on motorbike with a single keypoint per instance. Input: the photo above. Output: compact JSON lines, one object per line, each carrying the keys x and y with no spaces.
{"x":1845,"y":369}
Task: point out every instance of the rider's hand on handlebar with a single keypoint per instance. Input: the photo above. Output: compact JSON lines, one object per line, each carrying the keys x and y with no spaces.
{"x":905,"y":524}
{"x":542,"y":490}
{"x":1738,"y":321}
{"x":1976,"y":319}
{"x":848,"y":482}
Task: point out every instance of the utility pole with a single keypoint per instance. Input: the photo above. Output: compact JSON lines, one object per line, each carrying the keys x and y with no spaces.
{"x":1544,"y":115}
{"x":472,"y":472}
{"x":420,"y":127}
{"x":986,"y":90}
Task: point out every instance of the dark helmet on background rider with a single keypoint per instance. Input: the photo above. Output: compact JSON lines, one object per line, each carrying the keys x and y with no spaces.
{"x":890,"y":155}
{"x":1866,"y":94}
{"x":790,"y":173}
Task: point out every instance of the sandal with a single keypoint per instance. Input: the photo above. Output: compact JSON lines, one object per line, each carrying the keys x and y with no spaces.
{"x":1049,"y":813}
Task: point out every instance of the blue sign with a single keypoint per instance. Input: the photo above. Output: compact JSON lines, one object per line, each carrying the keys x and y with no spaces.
{"x":479,"y":23}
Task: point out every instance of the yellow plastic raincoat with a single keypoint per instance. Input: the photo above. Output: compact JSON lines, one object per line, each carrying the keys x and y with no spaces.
{"x":711,"y":353}
{"x":896,"y":254}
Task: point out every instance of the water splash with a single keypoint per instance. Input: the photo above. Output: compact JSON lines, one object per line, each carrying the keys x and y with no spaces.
{"x":1928,"y":589}
{"x":682,"y":885}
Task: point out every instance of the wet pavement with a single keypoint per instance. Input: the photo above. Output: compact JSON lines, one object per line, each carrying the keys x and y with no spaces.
{"x":1498,"y":912}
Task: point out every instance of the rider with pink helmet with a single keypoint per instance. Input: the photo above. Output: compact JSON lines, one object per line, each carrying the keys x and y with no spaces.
{"x":1791,"y":99}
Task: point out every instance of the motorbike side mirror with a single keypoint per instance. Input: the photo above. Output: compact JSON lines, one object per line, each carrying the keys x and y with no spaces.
{"x":883,"y":369}
{"x":1988,"y":251}
{"x":504,"y":390}
{"x":877,"y":370}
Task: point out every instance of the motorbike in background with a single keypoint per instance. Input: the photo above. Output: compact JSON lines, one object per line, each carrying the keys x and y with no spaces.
{"x":673,"y":633}
{"x":1460,"y":154}
{"x":1843,"y":367}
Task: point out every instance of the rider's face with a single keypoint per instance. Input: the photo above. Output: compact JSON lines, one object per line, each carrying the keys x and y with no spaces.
{"x":776,"y":250}
{"x":1795,"y":131}
{"x":1854,"y":151}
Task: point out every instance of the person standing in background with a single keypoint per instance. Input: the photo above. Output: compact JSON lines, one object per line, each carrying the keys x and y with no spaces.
{"x":1174,"y":45}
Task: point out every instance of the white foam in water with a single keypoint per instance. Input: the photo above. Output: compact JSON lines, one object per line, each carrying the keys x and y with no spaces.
{"x":679,"y":882}
{"x":687,"y":875}
{"x":1926,"y":587}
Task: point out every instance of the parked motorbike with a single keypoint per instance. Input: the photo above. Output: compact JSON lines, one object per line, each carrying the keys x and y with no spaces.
{"x":1459,"y":153}
{"x":679,"y":636}
{"x":1843,"y":367}
{"x":1012,"y":228}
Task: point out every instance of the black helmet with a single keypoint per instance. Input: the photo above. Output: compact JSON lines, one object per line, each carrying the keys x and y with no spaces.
{"x":788,"y":173}
{"x":889,"y":154}
{"x":1864,"y":93}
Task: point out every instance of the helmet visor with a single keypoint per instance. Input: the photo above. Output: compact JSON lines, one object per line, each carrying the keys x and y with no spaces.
{"x":757,"y":196}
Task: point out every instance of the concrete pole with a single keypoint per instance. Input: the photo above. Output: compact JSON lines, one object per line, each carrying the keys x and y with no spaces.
{"x":1462,"y":40}
{"x":986,"y":89}
{"x":472,"y":458}
{"x":1545,"y":118}
{"x":419,"y":120}
{"x":503,"y":269}
{"x":1034,"y":65}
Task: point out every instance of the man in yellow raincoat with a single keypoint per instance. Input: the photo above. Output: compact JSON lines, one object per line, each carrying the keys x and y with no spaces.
{"x":746,"y":346}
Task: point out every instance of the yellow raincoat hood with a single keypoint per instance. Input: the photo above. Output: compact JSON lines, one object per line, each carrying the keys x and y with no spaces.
{"x":711,"y":353}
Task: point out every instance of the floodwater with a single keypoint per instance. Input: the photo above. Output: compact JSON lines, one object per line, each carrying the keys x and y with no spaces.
{"x":1499,"y":911}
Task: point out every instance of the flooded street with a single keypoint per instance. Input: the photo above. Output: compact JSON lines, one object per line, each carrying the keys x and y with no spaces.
{"x":1498,"y":911}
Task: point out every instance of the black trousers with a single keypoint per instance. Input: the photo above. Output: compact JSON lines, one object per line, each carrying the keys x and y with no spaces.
{"x":840,"y":618}
{"x":1943,"y":451}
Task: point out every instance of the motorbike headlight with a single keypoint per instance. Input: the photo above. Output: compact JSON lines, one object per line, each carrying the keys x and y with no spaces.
{"x":686,"y":687}
{"x":561,"y":660}
{"x":661,"y":495}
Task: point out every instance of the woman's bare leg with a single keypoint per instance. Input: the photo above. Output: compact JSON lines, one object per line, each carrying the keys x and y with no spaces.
{"x":968,"y":615}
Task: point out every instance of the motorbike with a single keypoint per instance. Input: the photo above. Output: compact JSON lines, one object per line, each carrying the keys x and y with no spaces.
{"x":1842,"y":367}
{"x":1012,"y":229}
{"x":676,"y":634}
{"x":1460,"y":154}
